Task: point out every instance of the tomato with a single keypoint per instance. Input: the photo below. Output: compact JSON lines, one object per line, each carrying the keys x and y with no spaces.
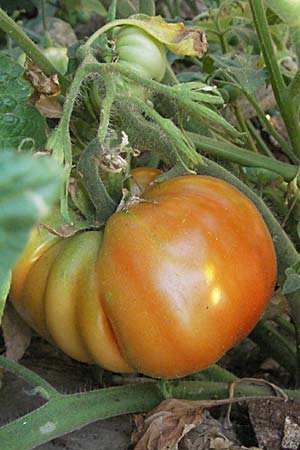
{"x":169,"y":285}
{"x":56,"y":55}
{"x":140,"y":51}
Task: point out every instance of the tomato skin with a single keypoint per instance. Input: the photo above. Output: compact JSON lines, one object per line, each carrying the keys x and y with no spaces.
{"x":171,"y":284}
{"x":57,"y":56}
{"x":140,"y":51}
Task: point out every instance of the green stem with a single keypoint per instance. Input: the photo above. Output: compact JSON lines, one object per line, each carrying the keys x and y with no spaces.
{"x":220,"y":34}
{"x":287,"y":326}
{"x":44,"y":22}
{"x":106,"y":109}
{"x":286,"y":253}
{"x":244,"y":128}
{"x":29,"y":47}
{"x":186,"y":155}
{"x":295,"y":35}
{"x":188,"y":100}
{"x":285,"y":103}
{"x":268,"y":127}
{"x":41,"y":386}
{"x":109,"y":26}
{"x":260,"y":142}
{"x":62,"y":150}
{"x":233,"y":153}
{"x":275,"y":345}
{"x":97,"y":192}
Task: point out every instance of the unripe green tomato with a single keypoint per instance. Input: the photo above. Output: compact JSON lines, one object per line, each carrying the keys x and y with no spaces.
{"x":56,"y":55}
{"x":287,"y":10}
{"x":138,"y":50}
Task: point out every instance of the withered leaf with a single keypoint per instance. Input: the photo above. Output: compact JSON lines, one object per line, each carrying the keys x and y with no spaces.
{"x":165,"y":426}
{"x":16,"y":333}
{"x":46,"y":89}
{"x":49,"y":107}
{"x":176,"y":36}
{"x":41,"y":83}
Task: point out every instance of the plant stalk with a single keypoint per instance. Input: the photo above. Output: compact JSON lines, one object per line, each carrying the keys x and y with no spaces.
{"x":233,"y":153}
{"x":285,"y":102}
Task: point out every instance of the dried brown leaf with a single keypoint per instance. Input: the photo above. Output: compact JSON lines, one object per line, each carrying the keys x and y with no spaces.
{"x":49,"y":107}
{"x":41,"y":83}
{"x":165,"y":426}
{"x":16,"y":333}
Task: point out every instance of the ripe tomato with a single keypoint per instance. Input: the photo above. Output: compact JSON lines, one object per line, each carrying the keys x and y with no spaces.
{"x":171,"y":284}
{"x":138,"y":50}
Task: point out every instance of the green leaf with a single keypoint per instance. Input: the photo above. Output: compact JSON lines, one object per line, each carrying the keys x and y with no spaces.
{"x":292,"y":282}
{"x":93,"y":6}
{"x":87,"y":6}
{"x":262,"y":177}
{"x":21,"y":124}
{"x":147,"y":7}
{"x":5,"y":280}
{"x":244,"y":69}
{"x":28,"y":186}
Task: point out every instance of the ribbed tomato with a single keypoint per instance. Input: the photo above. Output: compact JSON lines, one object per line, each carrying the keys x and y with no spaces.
{"x":171,"y":284}
{"x":142,"y":52}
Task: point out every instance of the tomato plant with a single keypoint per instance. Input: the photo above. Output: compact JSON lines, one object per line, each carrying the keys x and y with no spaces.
{"x":165,"y":290}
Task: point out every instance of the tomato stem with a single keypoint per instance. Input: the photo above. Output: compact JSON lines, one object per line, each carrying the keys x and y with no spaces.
{"x":42,"y":387}
{"x":231,"y":152}
{"x":286,"y":103}
{"x":88,"y":167}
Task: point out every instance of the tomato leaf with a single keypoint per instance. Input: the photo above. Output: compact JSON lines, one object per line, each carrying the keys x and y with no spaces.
{"x":28,"y":186}
{"x":21,"y":124}
{"x":292,"y":282}
{"x":87,"y":6}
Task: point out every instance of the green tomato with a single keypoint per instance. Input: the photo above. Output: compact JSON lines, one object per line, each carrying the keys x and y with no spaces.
{"x":140,"y":51}
{"x":56,"y":55}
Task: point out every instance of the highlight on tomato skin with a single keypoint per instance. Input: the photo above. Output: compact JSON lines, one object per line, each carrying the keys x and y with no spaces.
{"x":165,"y":290}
